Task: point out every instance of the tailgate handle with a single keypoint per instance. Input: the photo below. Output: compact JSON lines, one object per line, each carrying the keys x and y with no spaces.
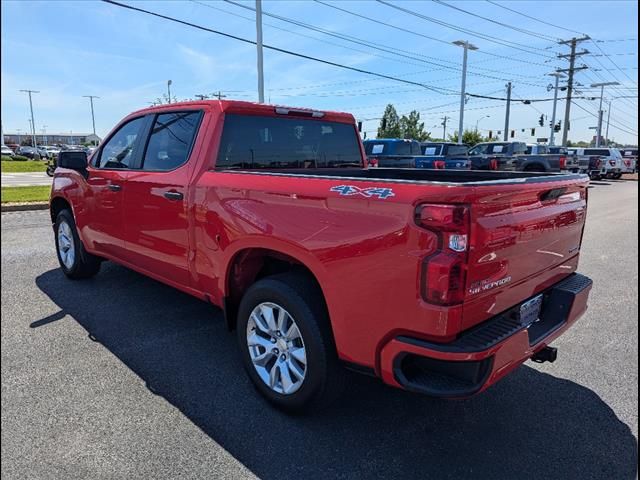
{"x":552,"y":194}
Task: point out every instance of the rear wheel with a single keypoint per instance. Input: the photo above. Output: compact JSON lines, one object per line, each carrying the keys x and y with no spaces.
{"x":74,"y":260}
{"x":286,"y":343}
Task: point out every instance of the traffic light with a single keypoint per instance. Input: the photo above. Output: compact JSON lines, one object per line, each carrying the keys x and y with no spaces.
{"x":557,"y":126}
{"x":533,"y":132}
{"x":541,"y":121}
{"x":513,"y":133}
{"x":490,"y":134}
{"x":360,"y":126}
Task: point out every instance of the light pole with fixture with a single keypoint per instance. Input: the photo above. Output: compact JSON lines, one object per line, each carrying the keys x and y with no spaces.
{"x":478,"y":121}
{"x":169,"y":82}
{"x":558,"y":76}
{"x":600,"y":112}
{"x":467,"y":46}
{"x":606,"y":135}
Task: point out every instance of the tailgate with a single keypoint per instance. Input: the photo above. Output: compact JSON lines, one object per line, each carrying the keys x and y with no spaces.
{"x":523,"y":239}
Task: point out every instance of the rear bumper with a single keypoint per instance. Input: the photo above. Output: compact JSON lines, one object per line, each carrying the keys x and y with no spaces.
{"x":483,"y":355}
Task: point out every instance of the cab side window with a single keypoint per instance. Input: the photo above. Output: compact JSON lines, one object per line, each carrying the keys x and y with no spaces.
{"x":171,"y":140}
{"x":119,"y":151}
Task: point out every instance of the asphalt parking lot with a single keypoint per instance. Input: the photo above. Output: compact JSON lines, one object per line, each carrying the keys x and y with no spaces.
{"x":123,"y":377}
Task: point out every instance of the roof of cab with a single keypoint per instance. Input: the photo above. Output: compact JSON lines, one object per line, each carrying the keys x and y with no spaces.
{"x":252,"y":108}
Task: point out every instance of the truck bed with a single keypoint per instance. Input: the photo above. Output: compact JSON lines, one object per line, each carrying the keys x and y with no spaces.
{"x":419,"y":175}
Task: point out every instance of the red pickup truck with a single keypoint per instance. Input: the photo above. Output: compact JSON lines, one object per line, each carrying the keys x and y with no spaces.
{"x":435,"y":281}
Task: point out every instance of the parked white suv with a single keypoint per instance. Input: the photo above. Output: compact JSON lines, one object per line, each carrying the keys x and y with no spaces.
{"x":611,"y":166}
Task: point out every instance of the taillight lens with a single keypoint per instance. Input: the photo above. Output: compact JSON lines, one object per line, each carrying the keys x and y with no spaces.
{"x":493,"y":164}
{"x":563,"y":163}
{"x":373,"y":162}
{"x":444,"y":272}
{"x":439,"y":164}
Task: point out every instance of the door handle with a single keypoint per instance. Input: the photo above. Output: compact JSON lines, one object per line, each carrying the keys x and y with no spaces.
{"x":173,"y":195}
{"x":114,"y":187}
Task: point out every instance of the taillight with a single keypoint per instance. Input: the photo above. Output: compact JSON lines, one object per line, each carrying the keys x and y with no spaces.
{"x":373,"y":162}
{"x":563,"y":163}
{"x":439,"y":165}
{"x":612,"y":163}
{"x":493,"y":164}
{"x":444,"y":272}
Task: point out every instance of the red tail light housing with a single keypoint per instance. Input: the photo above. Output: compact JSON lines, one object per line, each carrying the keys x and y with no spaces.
{"x":493,"y":164}
{"x":439,"y":164}
{"x":373,"y":162}
{"x":444,"y":272}
{"x":563,"y":163}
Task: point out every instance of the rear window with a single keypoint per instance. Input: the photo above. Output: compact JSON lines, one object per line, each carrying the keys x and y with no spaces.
{"x":250,"y":141}
{"x":597,"y":151}
{"x":457,"y":150}
{"x":399,"y":147}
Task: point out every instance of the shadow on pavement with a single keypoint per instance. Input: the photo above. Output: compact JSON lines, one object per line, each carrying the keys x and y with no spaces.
{"x":530,"y":425}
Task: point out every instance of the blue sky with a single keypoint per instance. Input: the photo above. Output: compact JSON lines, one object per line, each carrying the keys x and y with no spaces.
{"x":70,"y":49}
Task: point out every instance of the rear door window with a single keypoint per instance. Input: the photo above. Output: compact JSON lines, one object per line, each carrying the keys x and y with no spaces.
{"x":171,"y":140}
{"x":255,"y":142}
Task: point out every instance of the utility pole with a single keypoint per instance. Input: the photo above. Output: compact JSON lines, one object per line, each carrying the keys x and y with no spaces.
{"x":467,"y":46}
{"x":444,"y":128}
{"x":555,"y":104}
{"x":93,"y":120}
{"x":572,"y":69}
{"x":44,"y":134}
{"x":220,"y":96}
{"x":200,"y":96}
{"x":259,"y":46}
{"x":600,"y":112}
{"x":169,"y":82}
{"x":33,"y":122}
{"x":506,"y":116}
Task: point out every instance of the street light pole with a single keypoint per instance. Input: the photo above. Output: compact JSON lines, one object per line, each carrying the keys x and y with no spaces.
{"x":93,"y":120}
{"x":606,"y":135}
{"x":600,"y":112}
{"x":33,"y":122}
{"x":467,"y":46}
{"x":259,"y":47}
{"x":558,"y":75}
{"x":478,"y":121}
{"x":169,"y":82}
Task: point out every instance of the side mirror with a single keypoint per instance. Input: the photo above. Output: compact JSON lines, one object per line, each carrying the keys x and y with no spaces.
{"x":72,"y":159}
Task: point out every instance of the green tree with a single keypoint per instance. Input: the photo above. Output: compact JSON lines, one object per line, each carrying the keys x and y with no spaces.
{"x":390,"y":124}
{"x":413,"y":128}
{"x":469,"y":137}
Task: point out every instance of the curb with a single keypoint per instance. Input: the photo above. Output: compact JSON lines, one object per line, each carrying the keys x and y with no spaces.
{"x":22,"y":207}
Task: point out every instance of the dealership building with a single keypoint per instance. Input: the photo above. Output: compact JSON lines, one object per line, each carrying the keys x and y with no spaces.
{"x":70,"y":138}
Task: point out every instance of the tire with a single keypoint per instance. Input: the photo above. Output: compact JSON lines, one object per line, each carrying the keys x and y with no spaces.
{"x":617,"y":176}
{"x":75,"y":261}
{"x":50,"y":171}
{"x":297,"y":387}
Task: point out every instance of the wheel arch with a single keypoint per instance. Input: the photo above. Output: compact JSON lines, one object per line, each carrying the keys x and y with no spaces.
{"x":251,"y":263}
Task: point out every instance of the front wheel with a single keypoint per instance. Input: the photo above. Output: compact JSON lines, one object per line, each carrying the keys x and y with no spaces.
{"x":286,"y":343}
{"x":51,"y":170}
{"x":74,"y":260}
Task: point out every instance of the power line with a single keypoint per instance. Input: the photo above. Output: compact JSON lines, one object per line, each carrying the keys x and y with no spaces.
{"x":517,"y":29}
{"x":611,"y":124}
{"x":277,"y":49}
{"x":506,"y":43}
{"x":534,"y":18}
{"x":412,"y":32}
{"x":376,"y":46}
